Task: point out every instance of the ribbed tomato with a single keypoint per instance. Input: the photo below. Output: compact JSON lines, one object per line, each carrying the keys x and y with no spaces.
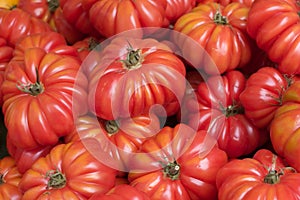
{"x":177,"y":163}
{"x":146,"y":69}
{"x":265,"y":176}
{"x":68,"y":172}
{"x":282,"y":43}
{"x":221,"y":31}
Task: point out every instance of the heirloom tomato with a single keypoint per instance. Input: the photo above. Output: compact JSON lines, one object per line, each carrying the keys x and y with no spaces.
{"x":121,"y":192}
{"x":218,"y":110}
{"x":265,"y":176}
{"x":78,"y":17}
{"x":221,"y":31}
{"x":177,"y":163}
{"x":68,"y":172}
{"x":50,"y":42}
{"x":41,"y":9}
{"x":263,"y":94}
{"x":111,"y":17}
{"x":24,"y":158}
{"x":176,"y":8}
{"x":119,"y":138}
{"x":275,"y":27}
{"x":9,"y":179}
{"x":285,"y":133}
{"x":16,"y":23}
{"x":40,"y":98}
{"x":62,"y":26}
{"x":135,"y":75}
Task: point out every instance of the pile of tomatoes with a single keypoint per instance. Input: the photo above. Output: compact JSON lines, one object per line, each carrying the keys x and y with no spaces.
{"x":144,"y":99}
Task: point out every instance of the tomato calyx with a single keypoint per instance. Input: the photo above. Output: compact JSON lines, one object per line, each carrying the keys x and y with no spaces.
{"x":56,"y":180}
{"x":220,"y":19}
{"x":232,"y":110}
{"x":33,"y":89}
{"x":134,"y":58}
{"x":111,"y":126}
{"x":53,"y":5}
{"x":171,"y":170}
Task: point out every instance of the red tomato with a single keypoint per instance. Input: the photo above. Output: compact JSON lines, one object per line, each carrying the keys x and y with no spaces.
{"x":262,"y":177}
{"x":25,"y":158}
{"x":48,"y":41}
{"x":62,"y":26}
{"x":40,"y":96}
{"x":263,"y":95}
{"x":218,"y":110}
{"x":77,"y":16}
{"x":176,"y":8}
{"x":121,"y":192}
{"x":282,"y":43}
{"x":120,"y":137}
{"x":41,"y":9}
{"x":6,"y":53}
{"x":16,"y":23}
{"x":9,"y":179}
{"x":285,"y":134}
{"x":68,"y":172}
{"x":125,"y":15}
{"x":146,"y":69}
{"x":220,"y":31}
{"x":176,"y":163}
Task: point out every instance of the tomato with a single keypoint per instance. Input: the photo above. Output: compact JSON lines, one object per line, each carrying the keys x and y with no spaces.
{"x":218,"y":109}
{"x":16,"y":23}
{"x":125,"y":15}
{"x":177,"y":163}
{"x":265,"y":176}
{"x":145,"y":68}
{"x":24,"y":158}
{"x":120,"y":137}
{"x":41,"y":9}
{"x":47,"y":41}
{"x":221,"y":31}
{"x":121,"y":192}
{"x":263,"y":94}
{"x":40,"y":97}
{"x":176,"y":8}
{"x":9,"y":179}
{"x":68,"y":172}
{"x":285,"y":134}
{"x":6,"y":53}
{"x":62,"y":26}
{"x":281,"y":44}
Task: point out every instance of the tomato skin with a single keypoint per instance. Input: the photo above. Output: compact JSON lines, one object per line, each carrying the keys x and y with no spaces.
{"x":281,"y":43}
{"x":244,"y":179}
{"x":176,"y":9}
{"x":285,"y":140}
{"x":218,"y":109}
{"x":16,"y":23}
{"x":121,"y":137}
{"x":225,"y":41}
{"x":84,"y":175}
{"x":157,"y":78}
{"x":25,"y":158}
{"x":196,"y":178}
{"x":125,"y":15}
{"x":121,"y":192}
{"x":57,"y":99}
{"x":262,"y":95}
{"x":10,"y":178}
